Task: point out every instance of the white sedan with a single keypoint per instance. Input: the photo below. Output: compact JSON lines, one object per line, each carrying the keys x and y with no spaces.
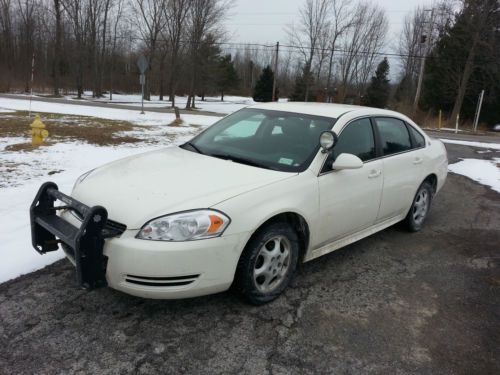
{"x":244,"y":201}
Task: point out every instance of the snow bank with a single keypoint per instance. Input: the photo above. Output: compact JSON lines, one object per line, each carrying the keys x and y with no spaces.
{"x":486,"y":172}
{"x":22,"y":173}
{"x":213,"y":104}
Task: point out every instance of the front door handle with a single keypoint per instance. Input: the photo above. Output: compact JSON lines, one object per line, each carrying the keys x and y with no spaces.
{"x":418,"y":160}
{"x":374,"y":173}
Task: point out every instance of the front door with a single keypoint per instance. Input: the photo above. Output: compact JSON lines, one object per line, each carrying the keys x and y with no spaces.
{"x":350,"y":199}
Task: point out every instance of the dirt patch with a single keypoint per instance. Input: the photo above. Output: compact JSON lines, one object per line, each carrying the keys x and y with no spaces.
{"x":96,"y":131}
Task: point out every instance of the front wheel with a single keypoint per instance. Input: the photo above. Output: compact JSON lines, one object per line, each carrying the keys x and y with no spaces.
{"x":420,"y":207}
{"x":268,"y":263}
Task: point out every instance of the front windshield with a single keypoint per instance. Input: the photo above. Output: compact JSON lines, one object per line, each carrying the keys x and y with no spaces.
{"x":283,"y":141}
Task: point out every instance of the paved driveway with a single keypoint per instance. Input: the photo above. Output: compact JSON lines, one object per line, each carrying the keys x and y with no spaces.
{"x":393,"y":303}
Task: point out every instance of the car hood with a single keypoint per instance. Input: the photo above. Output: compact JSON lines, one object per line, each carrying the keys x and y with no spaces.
{"x":139,"y":188}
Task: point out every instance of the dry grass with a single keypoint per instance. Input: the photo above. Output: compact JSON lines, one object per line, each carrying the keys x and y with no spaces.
{"x":177,"y":122}
{"x":428,"y":119}
{"x":96,"y":131}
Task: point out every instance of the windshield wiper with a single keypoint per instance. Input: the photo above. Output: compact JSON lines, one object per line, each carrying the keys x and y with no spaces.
{"x":190,"y":144}
{"x":241,"y":160}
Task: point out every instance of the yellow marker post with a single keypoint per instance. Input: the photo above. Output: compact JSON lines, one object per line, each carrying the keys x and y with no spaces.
{"x":439,"y":120}
{"x":38,"y":132}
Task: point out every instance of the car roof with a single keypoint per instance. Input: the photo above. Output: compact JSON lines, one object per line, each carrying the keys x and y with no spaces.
{"x":333,"y":110}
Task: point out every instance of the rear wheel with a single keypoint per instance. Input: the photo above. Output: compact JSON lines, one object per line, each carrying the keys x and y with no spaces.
{"x":268,"y":263}
{"x":420,"y":207}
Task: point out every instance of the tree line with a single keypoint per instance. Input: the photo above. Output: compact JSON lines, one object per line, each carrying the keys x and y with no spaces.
{"x":336,"y":51}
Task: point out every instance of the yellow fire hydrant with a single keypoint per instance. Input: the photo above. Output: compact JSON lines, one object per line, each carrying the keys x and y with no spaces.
{"x":38,"y":132}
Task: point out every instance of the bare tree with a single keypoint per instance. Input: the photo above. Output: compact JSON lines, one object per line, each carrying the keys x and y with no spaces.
{"x":309,"y":33}
{"x":117,"y":16}
{"x":77,"y":14}
{"x":57,"y":46}
{"x":6,"y":41}
{"x":360,"y":46}
{"x":26,"y":11}
{"x":176,"y":13}
{"x":150,"y":20}
{"x":341,"y":22}
{"x":204,"y":19}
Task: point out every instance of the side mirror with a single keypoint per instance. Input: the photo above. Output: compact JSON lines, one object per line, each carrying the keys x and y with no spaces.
{"x":347,"y":161}
{"x":327,"y":141}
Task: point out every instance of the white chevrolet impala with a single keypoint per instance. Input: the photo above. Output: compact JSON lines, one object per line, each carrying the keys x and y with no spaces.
{"x":244,"y":202}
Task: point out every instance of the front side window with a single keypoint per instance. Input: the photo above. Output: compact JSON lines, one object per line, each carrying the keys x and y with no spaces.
{"x":357,"y":139}
{"x":394,"y":135}
{"x":283,"y":141}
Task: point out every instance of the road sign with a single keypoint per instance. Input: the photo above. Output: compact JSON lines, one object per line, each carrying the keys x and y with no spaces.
{"x":142,"y":64}
{"x":142,"y":79}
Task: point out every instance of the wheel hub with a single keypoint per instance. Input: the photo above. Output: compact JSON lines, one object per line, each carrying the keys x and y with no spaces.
{"x":272,"y":264}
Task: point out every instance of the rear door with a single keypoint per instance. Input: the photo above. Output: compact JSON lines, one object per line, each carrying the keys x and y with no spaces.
{"x":402,"y":160}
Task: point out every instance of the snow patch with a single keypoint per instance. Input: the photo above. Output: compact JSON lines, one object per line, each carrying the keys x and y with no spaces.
{"x":149,"y":118}
{"x":486,"y":172}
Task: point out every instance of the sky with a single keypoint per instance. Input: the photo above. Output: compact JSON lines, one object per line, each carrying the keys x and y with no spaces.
{"x":263,"y":21}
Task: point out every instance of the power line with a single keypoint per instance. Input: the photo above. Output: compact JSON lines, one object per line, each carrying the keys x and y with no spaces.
{"x":287,"y":48}
{"x":259,"y":47}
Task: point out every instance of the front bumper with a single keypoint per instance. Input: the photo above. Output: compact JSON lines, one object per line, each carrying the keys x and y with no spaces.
{"x":104,"y":252}
{"x":170,"y":270}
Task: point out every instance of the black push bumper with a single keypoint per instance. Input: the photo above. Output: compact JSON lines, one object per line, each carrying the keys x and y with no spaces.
{"x":84,"y":244}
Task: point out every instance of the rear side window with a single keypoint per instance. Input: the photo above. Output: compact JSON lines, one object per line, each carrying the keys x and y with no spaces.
{"x":394,"y":135}
{"x":417,"y":137}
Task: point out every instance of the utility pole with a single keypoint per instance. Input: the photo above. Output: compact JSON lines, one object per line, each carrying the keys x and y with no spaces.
{"x":275,"y":70}
{"x":422,"y":62}
{"x":478,"y":110}
{"x":31,"y":82}
{"x":329,"y":79}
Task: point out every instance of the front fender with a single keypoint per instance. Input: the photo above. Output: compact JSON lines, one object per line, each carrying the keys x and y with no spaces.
{"x":250,"y":210}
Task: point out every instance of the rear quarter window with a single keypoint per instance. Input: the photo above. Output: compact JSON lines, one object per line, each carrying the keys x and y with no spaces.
{"x":418,"y":138}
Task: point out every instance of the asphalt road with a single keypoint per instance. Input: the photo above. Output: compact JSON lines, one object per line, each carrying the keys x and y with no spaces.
{"x":394,"y":303}
{"x":89,"y":103}
{"x":489,"y":137}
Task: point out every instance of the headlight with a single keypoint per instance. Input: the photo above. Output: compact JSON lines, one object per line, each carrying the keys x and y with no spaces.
{"x":81,"y":178}
{"x":185,"y":226}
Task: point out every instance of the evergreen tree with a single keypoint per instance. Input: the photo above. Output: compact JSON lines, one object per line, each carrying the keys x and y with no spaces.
{"x":263,"y":91}
{"x":464,"y":61}
{"x":377,"y":93}
{"x":208,"y":62}
{"x":227,"y":77}
{"x":300,"y":88}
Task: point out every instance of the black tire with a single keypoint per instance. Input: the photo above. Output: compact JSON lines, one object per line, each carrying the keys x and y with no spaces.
{"x":247,"y":283}
{"x":413,"y":220}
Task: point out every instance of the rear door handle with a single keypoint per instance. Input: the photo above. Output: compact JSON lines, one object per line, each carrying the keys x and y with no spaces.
{"x":374,"y":173}
{"x":418,"y":160}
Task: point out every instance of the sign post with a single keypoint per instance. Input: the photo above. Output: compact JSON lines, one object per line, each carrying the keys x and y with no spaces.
{"x":142,"y":64}
{"x":478,"y":110}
